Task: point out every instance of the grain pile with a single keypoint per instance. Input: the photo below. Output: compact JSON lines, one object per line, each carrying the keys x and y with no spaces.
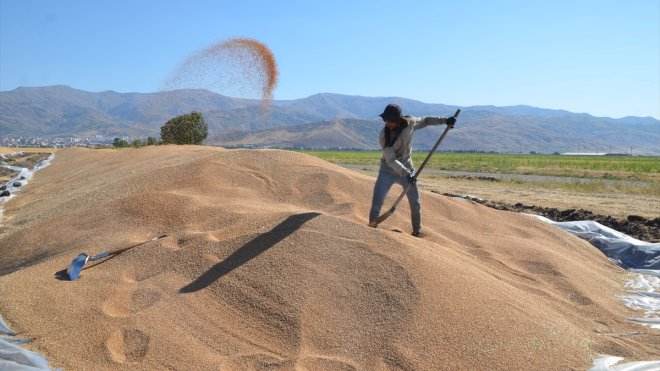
{"x":270,"y":264}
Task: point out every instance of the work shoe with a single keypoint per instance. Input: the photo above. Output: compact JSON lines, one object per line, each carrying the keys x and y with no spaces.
{"x":417,"y":234}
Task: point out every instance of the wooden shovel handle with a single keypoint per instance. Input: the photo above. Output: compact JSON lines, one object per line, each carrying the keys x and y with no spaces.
{"x":121,"y":250}
{"x":428,"y":157}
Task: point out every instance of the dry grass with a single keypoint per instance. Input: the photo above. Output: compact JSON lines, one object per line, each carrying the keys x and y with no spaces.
{"x":4,"y":150}
{"x":596,"y":197}
{"x":559,"y":196}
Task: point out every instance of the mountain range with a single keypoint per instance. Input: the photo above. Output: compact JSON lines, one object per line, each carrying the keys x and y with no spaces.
{"x":322,"y":120}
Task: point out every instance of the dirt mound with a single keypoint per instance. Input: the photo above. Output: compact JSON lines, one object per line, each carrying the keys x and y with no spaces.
{"x":269,"y":264}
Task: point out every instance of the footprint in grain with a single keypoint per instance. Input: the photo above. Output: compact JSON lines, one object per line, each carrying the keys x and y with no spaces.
{"x":126,"y":301}
{"x":573,"y":294}
{"x":558,"y":280}
{"x":144,"y":298}
{"x":127,"y":345}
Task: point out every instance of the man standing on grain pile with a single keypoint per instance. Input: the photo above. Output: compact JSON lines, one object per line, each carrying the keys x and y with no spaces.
{"x":396,"y":165}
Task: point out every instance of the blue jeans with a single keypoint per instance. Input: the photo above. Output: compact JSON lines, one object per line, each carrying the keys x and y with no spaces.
{"x":384,"y":183}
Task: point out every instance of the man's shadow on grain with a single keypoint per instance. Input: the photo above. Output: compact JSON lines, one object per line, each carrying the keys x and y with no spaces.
{"x":250,"y":251}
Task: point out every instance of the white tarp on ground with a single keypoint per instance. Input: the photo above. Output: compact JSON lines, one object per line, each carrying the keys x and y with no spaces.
{"x":13,"y":357}
{"x":609,"y":363}
{"x":642,"y":260}
{"x":625,"y":251}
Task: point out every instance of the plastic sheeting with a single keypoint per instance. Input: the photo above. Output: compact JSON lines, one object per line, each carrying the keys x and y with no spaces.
{"x":642,"y":260}
{"x":13,"y":357}
{"x":609,"y":363}
{"x":625,"y":251}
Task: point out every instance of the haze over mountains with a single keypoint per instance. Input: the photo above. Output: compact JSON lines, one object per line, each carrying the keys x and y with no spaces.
{"x":323,"y":120}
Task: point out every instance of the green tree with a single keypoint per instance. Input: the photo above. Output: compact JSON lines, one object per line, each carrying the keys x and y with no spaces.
{"x":185,"y":129}
{"x":151,"y":141}
{"x":119,"y":143}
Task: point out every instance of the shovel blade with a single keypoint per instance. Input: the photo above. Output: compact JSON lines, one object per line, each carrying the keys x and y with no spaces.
{"x":382,"y":218}
{"x":76,"y":266}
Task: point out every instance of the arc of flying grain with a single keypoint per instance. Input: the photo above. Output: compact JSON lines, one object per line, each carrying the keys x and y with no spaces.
{"x":255,"y":55}
{"x":256,"y":60}
{"x":268,"y":64}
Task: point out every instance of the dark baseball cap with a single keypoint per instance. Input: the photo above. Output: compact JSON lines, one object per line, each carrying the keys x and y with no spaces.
{"x":392,"y":113}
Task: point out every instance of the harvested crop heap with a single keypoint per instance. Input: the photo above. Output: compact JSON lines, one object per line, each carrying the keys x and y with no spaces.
{"x":269,"y":263}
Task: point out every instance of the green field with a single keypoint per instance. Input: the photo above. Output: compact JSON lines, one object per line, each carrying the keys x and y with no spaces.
{"x":600,"y":167}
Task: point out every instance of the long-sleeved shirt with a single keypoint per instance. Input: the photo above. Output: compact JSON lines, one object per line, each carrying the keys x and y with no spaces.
{"x":397,"y":157}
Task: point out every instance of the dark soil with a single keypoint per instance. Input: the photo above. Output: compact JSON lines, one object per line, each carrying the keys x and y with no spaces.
{"x":6,"y":174}
{"x":634,"y":226}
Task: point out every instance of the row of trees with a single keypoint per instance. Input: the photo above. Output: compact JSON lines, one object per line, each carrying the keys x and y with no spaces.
{"x":185,"y":129}
{"x":137,"y":143}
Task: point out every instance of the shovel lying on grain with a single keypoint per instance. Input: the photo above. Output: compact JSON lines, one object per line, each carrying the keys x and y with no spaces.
{"x":79,"y":261}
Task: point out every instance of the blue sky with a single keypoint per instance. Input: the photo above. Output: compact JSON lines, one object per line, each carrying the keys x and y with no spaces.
{"x":601,"y":57}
